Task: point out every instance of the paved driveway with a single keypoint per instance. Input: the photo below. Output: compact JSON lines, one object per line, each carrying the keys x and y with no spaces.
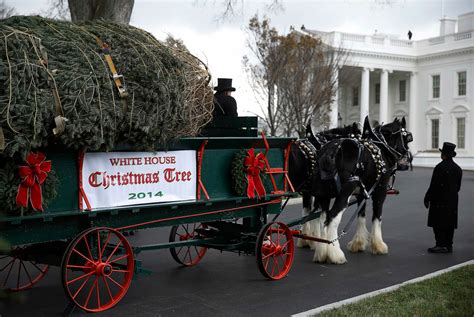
{"x":230,"y":285}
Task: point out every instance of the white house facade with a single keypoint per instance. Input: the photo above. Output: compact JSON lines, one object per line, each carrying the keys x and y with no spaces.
{"x":430,"y":82}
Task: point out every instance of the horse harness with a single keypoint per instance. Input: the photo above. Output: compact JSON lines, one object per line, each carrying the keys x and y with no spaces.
{"x":309,"y":152}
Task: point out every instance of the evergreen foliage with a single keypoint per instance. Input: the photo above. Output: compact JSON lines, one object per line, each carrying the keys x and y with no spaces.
{"x":168,"y":92}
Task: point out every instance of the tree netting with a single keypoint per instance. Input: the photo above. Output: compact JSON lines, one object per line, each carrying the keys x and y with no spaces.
{"x":53,"y":69}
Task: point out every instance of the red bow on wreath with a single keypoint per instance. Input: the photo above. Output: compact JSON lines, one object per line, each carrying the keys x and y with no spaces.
{"x":32,"y":176}
{"x":253,"y":166}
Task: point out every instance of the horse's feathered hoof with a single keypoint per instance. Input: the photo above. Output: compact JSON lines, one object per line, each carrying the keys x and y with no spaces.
{"x":335,"y":255}
{"x":357,"y":245}
{"x":379,"y":248}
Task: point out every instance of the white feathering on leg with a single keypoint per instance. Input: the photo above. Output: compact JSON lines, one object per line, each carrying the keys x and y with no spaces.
{"x":361,"y":236}
{"x":378,"y":246}
{"x":319,"y":231}
{"x":334,"y":252}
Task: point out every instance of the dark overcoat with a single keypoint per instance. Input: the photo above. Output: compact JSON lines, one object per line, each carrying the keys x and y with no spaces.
{"x":224,"y":105}
{"x":442,"y":195}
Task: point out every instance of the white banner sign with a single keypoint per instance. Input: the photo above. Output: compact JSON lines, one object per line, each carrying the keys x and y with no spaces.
{"x":129,"y":178}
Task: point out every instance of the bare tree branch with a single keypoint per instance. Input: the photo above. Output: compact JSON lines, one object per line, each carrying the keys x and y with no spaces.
{"x":6,"y":11}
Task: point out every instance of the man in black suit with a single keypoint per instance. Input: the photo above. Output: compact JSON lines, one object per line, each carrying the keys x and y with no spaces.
{"x":442,"y":200}
{"x":224,"y":103}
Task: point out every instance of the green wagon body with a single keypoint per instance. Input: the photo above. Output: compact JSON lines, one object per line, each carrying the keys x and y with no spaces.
{"x":62,"y":219}
{"x":74,"y":239}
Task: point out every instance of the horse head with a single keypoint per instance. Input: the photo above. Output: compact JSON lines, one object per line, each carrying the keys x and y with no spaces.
{"x":397,"y":137}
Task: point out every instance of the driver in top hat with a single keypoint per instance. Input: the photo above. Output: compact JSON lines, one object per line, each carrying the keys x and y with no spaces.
{"x":442,"y":200}
{"x":224,"y":103}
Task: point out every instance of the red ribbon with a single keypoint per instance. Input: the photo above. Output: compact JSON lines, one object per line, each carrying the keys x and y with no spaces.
{"x":33,"y":175}
{"x":254,"y":164}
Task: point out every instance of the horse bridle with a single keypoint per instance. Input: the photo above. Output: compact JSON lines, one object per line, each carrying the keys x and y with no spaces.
{"x":403,"y":133}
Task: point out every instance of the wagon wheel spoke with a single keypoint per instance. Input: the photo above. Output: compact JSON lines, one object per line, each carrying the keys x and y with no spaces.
{"x":105,"y":245}
{"x":114,"y":281}
{"x":275,"y":250}
{"x":26,"y":271}
{"x":77,"y":266}
{"x":108,"y":288}
{"x":83,"y":256}
{"x":81,"y":287}
{"x":96,"y":294}
{"x":9,"y":271}
{"x":268,"y":255}
{"x":118,"y":259}
{"x":90,"y":293}
{"x":121,"y":271}
{"x":3,"y":268}
{"x":80,"y":277}
{"x":38,"y":268}
{"x":99,"y":252}
{"x":113,"y":252}
{"x":186,"y":255}
{"x":88,"y":248}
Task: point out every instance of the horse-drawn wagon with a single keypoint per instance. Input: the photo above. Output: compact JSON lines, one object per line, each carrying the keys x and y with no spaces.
{"x":64,"y":206}
{"x":192,"y":187}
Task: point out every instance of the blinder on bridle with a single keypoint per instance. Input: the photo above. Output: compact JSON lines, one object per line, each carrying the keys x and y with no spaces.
{"x":405,"y":136}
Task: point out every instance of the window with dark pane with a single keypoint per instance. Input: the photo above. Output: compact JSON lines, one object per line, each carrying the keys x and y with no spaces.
{"x":462,"y":82}
{"x":377,"y":93}
{"x":435,"y":85}
{"x":402,"y":88}
{"x":434,"y":133}
{"x":461,"y":132}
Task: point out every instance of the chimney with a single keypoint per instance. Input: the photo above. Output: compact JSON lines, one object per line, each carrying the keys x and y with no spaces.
{"x":466,"y":22}
{"x":447,"y":26}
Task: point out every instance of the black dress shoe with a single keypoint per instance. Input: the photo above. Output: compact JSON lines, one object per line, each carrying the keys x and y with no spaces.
{"x":438,"y":250}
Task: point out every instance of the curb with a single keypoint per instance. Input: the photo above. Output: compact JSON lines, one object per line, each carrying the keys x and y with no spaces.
{"x":380,"y":291}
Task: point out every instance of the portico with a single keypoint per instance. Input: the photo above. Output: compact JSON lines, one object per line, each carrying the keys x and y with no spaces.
{"x":429,"y":82}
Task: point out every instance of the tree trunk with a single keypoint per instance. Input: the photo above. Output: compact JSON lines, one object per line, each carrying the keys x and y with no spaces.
{"x":112,"y":10}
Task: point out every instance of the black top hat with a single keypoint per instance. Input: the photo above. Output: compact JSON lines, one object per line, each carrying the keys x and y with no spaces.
{"x":224,"y":84}
{"x":448,"y":149}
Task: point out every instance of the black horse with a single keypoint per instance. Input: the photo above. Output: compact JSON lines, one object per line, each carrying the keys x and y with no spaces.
{"x":363,"y":167}
{"x":303,"y":167}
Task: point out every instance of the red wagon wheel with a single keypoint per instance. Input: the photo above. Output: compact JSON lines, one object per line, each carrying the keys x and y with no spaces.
{"x":97,"y":269}
{"x":275,"y":250}
{"x":17,"y":274}
{"x":187,"y":255}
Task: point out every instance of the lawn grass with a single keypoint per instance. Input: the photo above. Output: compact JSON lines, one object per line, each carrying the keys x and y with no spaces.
{"x":450,"y":294}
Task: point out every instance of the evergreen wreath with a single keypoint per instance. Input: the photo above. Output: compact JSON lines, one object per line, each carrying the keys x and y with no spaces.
{"x":9,"y":182}
{"x":239,"y":176}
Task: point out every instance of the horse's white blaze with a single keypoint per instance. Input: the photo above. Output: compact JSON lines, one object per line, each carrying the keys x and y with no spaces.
{"x":334,"y":252}
{"x":361,"y":236}
{"x":319,"y":231}
{"x":378,"y":246}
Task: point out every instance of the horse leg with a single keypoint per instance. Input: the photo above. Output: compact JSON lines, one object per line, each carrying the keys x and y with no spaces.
{"x":318,"y":223}
{"x":334,"y":253}
{"x":378,"y":246}
{"x":306,"y":229}
{"x":361,"y":236}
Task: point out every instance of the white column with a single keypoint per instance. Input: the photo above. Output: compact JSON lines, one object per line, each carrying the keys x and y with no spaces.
{"x":333,"y":108}
{"x":383,"y":97}
{"x":412,"y":113}
{"x":364,"y":94}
